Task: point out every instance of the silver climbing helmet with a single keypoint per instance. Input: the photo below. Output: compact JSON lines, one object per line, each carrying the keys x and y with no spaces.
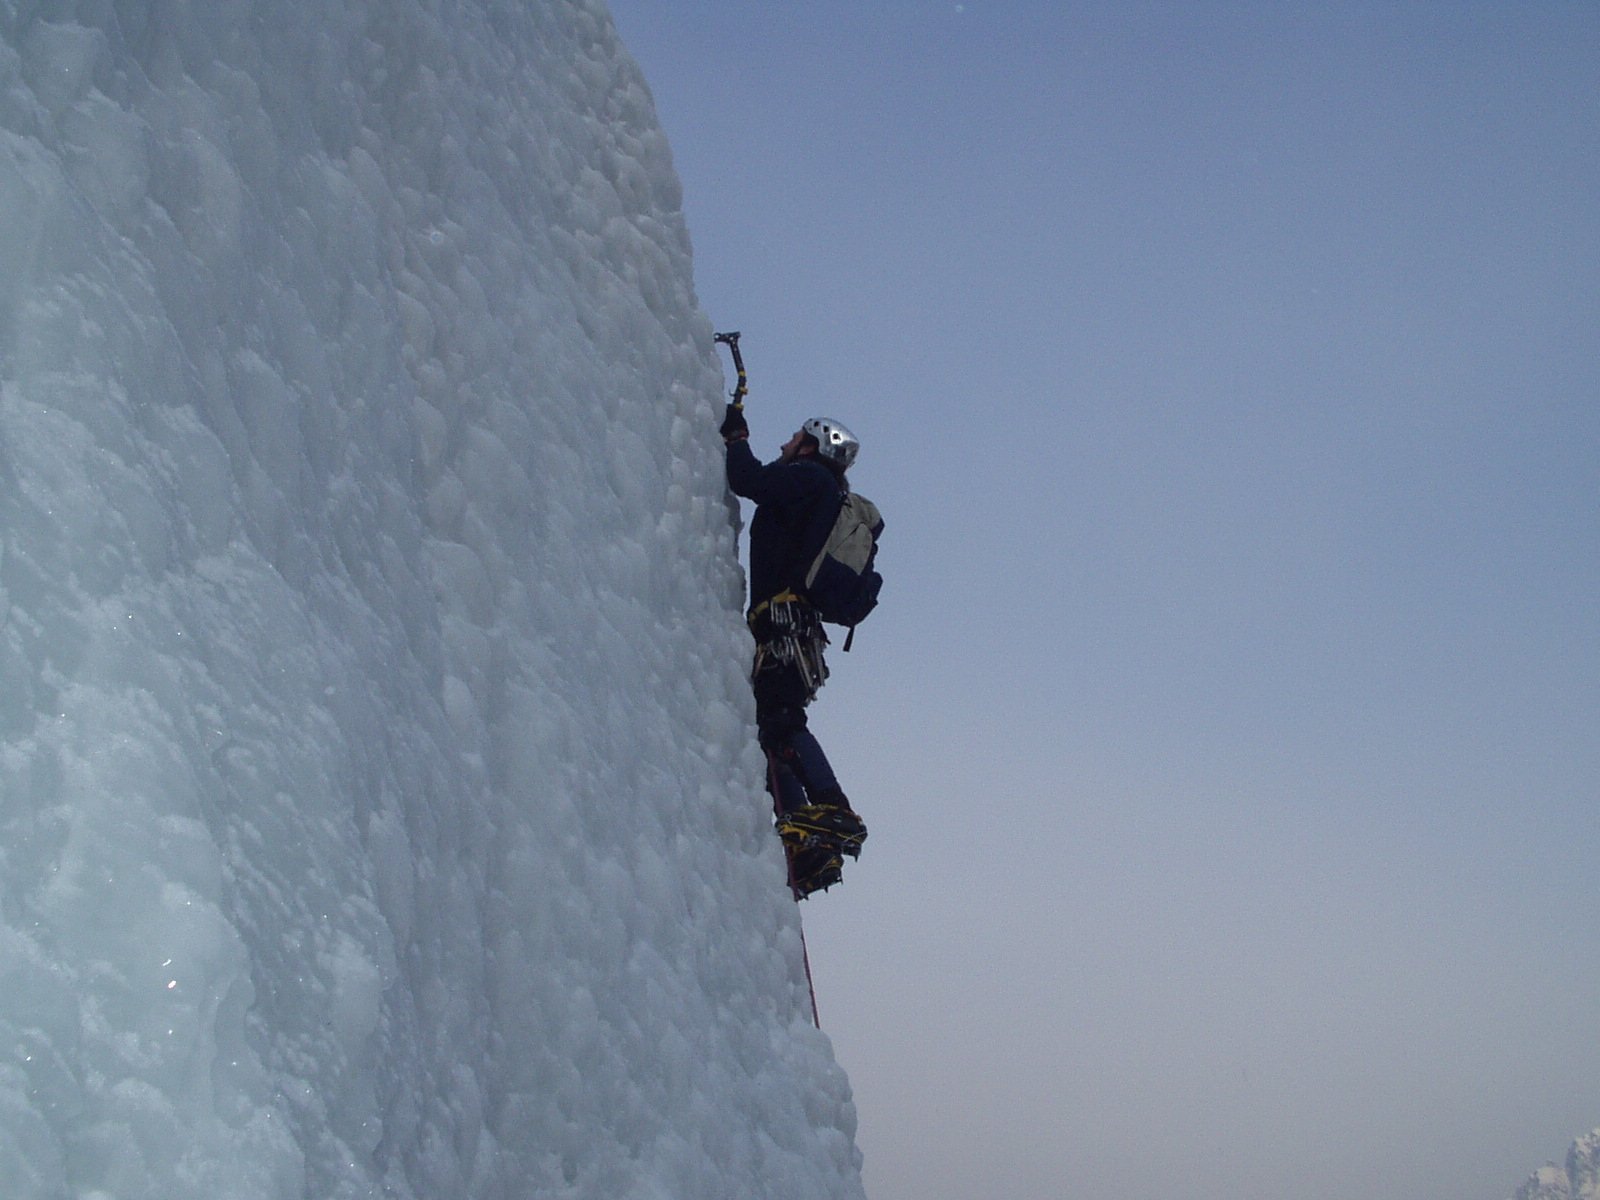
{"x":834,"y":441}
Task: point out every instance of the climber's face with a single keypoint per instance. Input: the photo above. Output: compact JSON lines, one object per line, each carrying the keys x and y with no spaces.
{"x":797,"y":447}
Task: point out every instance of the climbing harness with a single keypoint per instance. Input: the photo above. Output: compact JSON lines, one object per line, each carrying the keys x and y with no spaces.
{"x":787,"y":630}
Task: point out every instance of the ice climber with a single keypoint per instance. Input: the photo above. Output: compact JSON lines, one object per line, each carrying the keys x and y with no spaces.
{"x":798,"y":497}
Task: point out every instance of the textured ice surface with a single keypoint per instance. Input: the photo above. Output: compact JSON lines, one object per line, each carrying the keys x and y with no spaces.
{"x":378,"y":808}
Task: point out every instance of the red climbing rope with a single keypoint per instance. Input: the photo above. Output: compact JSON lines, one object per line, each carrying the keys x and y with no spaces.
{"x":805,"y":952}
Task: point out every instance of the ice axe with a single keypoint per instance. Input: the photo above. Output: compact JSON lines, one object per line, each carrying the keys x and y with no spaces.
{"x":731,"y":341}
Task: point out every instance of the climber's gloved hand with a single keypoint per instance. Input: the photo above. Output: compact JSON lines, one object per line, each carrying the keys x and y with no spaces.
{"x":733,"y":424}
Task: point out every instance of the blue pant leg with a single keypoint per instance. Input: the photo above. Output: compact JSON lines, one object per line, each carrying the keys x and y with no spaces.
{"x":811,"y":764}
{"x":788,"y":793}
{"x":800,"y":771}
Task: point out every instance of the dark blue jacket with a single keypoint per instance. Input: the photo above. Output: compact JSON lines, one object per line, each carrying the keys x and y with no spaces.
{"x":796,"y":505}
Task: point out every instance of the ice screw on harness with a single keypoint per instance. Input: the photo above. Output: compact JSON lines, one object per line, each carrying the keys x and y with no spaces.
{"x":787,"y":630}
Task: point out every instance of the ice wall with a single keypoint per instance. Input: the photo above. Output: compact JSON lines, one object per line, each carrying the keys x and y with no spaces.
{"x":378,"y":808}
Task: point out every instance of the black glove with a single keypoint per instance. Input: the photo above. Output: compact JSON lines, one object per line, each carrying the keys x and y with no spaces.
{"x":733,"y":424}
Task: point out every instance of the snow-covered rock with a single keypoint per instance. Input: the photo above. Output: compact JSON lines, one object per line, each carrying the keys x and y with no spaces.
{"x":1578,"y":1180}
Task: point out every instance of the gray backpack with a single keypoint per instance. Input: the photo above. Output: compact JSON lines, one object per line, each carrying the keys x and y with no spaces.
{"x":843,"y":582}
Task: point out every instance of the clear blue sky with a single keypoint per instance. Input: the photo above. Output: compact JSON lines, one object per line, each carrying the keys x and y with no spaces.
{"x":1230,"y":733}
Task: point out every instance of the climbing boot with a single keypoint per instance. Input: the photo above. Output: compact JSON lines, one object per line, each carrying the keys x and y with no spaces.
{"x":826,"y":826}
{"x":813,"y":869}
